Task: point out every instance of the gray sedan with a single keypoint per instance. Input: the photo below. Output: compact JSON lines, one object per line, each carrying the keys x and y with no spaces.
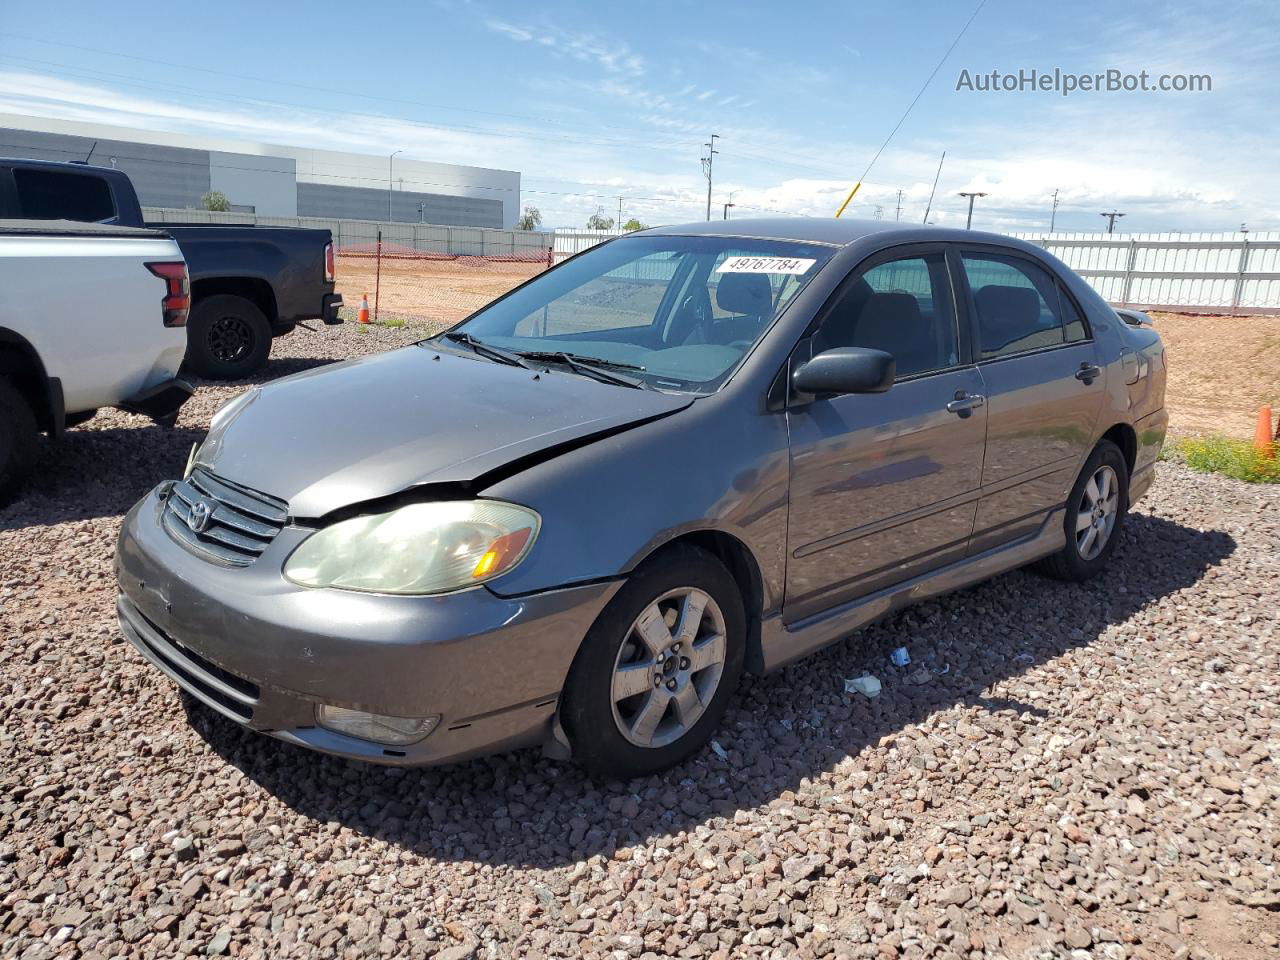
{"x":576,"y":518}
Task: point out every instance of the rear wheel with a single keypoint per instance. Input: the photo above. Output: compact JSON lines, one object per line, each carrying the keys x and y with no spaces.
{"x":1096,"y":510}
{"x":657,"y":669}
{"x":228,"y":338}
{"x":17,"y":440}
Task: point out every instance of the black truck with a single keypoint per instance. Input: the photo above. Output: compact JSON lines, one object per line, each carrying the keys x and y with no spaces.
{"x":248,"y":283}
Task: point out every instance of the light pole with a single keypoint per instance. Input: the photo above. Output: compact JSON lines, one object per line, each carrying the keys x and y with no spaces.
{"x":1053,"y":216}
{"x":390,"y":160}
{"x":1111,"y":220}
{"x":969,"y":220}
{"x":729,"y":204}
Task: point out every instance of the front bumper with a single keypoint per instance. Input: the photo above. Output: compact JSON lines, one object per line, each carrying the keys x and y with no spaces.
{"x":329,"y":308}
{"x":263,"y":651}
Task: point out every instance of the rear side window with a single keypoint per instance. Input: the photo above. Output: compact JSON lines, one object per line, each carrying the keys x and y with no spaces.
{"x":53,"y":195}
{"x":1072,"y":321}
{"x":1017,"y":305}
{"x":902,"y":307}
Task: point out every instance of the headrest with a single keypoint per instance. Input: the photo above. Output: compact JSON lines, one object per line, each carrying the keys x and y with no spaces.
{"x":1005,"y":314}
{"x":889,"y":318}
{"x":748,"y":293}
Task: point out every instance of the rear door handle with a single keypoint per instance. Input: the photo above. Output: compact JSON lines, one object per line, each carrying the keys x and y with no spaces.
{"x":964,"y":403}
{"x":1088,"y":373}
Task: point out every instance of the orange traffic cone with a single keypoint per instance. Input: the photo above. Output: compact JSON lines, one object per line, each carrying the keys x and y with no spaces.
{"x":362,"y":315}
{"x":1263,"y":438}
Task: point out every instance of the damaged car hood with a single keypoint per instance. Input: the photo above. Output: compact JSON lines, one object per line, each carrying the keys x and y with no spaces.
{"x":371,"y":427}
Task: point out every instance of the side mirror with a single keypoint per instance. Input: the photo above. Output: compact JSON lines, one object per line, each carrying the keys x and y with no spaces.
{"x":846,"y":370}
{"x":1134,"y":318}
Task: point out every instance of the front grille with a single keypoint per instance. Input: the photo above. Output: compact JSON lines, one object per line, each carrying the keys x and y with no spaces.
{"x":222,"y":521}
{"x":219,"y":688}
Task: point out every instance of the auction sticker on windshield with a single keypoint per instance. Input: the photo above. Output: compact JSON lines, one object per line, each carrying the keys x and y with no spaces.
{"x":791,"y":265}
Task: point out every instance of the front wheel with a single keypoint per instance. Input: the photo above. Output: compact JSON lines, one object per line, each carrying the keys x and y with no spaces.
{"x":1096,"y":511}
{"x":656,"y":671}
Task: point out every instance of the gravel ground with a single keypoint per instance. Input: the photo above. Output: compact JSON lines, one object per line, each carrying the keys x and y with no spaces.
{"x":1084,"y":771}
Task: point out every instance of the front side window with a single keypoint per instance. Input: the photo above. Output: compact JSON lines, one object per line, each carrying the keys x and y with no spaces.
{"x":53,"y":195}
{"x":902,"y":307}
{"x":1016,"y":303}
{"x":676,"y":312}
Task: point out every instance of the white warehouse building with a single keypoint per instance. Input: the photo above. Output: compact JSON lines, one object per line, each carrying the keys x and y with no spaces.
{"x":175,"y":170}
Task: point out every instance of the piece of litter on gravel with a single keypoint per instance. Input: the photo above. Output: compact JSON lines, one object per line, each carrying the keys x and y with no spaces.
{"x":866,"y":685}
{"x":1025,"y":657}
{"x":920,"y":677}
{"x":900,"y":657}
{"x":946,"y":668}
{"x":718,"y":750}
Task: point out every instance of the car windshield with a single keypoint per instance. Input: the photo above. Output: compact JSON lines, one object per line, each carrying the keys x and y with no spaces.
{"x":668,"y":312}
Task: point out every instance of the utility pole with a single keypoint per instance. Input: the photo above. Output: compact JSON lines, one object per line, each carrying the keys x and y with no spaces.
{"x":969,"y":222}
{"x":707,"y":161}
{"x":1053,"y":217}
{"x":390,"y":161}
{"x":1111,"y":220}
{"x":729,"y":204}
{"x":879,"y":213}
{"x":898,"y":213}
{"x":618,"y":224}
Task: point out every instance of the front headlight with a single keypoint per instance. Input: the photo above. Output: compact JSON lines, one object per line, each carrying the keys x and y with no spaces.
{"x":419,"y":549}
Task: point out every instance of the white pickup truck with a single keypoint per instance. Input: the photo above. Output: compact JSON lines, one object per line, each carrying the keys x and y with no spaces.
{"x":91,"y":315}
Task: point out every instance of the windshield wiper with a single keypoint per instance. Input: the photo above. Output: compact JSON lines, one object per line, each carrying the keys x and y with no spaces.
{"x":595,"y":367}
{"x":485,"y":350}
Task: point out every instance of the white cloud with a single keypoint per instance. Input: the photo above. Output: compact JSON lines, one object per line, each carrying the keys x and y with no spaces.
{"x":613,"y":56}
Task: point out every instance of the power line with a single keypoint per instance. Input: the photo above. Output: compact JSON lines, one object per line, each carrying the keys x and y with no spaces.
{"x":911,"y":105}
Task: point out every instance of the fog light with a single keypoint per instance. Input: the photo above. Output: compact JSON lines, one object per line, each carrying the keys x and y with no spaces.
{"x":374,"y":726}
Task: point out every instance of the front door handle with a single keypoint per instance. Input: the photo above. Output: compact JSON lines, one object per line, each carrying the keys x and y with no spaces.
{"x":965,"y":403}
{"x":1088,"y":373}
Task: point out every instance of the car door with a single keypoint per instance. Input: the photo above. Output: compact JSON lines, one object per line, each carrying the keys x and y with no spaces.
{"x":1045,"y":387}
{"x":884,"y":486}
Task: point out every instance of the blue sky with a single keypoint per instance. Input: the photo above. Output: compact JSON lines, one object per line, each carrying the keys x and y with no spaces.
{"x":590,"y":101}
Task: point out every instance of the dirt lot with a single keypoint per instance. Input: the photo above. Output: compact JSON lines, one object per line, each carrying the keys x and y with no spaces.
{"x":1220,"y":368}
{"x":444,"y":291}
{"x":1063,"y":771}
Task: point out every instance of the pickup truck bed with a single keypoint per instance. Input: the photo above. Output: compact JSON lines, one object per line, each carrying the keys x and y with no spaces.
{"x":91,"y":315}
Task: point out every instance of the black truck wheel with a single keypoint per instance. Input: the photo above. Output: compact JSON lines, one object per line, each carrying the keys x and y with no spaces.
{"x":17,"y":440}
{"x":228,"y":338}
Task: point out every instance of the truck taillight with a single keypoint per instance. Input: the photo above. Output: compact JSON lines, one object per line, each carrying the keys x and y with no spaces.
{"x":329,"y":272}
{"x":177,"y":298}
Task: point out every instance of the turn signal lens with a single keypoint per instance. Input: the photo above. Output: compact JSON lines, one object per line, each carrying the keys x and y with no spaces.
{"x":502,"y":552}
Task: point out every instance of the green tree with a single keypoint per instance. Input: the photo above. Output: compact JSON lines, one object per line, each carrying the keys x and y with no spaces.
{"x":634,"y":224}
{"x":530,"y":220}
{"x":215,"y":200}
{"x":598,"y":221}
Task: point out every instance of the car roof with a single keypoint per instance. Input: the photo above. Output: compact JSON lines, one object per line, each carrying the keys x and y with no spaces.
{"x":840,"y":233}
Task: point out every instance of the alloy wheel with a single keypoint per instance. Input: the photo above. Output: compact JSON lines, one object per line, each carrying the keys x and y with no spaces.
{"x":230,"y":338}
{"x":668,"y":667}
{"x":1096,"y":516}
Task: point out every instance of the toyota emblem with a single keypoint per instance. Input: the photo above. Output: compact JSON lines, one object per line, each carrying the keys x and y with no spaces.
{"x":199,"y":516}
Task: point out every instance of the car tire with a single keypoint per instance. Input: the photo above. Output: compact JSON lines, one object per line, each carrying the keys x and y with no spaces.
{"x":689,"y":693}
{"x":17,"y":440}
{"x":228,"y":338}
{"x":1081,"y":557}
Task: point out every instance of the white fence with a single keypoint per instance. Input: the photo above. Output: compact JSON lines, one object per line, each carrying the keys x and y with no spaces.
{"x":1193,"y":272}
{"x":1214,"y":272}
{"x":361,"y":236}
